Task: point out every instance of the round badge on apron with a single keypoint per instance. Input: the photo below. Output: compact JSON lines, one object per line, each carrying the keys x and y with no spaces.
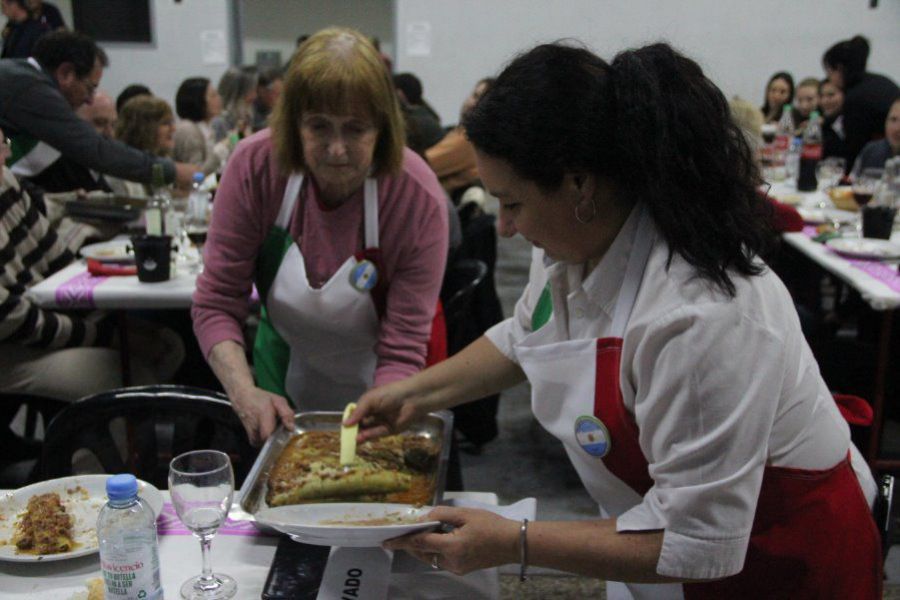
{"x":364,"y":276}
{"x":592,"y":436}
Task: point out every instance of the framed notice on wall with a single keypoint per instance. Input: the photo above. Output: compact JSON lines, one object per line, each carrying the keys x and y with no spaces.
{"x":119,"y":21}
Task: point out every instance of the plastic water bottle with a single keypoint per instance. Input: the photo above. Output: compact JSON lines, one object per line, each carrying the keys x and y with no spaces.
{"x":159,"y":202}
{"x":129,"y":551}
{"x":198,"y":202}
{"x":792,"y":158}
{"x":784,"y":133}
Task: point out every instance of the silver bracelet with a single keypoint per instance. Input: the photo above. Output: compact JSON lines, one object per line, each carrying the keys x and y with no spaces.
{"x":523,"y":550}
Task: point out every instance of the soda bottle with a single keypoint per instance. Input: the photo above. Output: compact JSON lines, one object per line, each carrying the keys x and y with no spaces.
{"x":129,"y":550}
{"x":810,"y":154}
{"x":784,"y":133}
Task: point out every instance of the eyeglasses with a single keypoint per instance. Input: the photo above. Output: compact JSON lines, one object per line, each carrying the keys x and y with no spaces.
{"x":90,"y":86}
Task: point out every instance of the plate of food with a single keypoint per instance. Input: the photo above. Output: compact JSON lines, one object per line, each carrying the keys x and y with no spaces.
{"x":867,"y":248}
{"x":57,"y":519}
{"x":350,"y":525}
{"x":113,"y":251}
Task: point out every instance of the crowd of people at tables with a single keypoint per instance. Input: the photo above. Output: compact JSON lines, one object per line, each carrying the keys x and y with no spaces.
{"x":336,"y":197}
{"x":858,"y":108}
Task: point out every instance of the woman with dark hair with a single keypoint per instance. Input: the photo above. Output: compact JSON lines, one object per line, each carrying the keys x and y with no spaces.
{"x":779,"y":91}
{"x":831,"y":102}
{"x":197,"y":102}
{"x":660,"y":349}
{"x":867,"y":96}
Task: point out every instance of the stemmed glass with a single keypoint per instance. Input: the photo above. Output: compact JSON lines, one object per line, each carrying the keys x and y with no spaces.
{"x":201,"y":484}
{"x":829,"y":172}
{"x":196,"y":227}
{"x":863,"y":188}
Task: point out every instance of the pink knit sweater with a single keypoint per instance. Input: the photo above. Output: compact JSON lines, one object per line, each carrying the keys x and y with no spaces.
{"x":413,"y":234}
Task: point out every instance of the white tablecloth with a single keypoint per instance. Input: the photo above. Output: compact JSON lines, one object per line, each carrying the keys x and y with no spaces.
{"x":246,"y":558}
{"x":72,"y":287}
{"x":876,"y":293}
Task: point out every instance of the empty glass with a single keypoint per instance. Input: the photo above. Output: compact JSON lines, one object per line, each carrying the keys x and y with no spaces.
{"x":829,"y":172}
{"x":201,"y":484}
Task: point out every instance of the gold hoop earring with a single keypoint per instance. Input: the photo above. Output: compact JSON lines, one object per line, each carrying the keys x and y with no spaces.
{"x":587,"y":220}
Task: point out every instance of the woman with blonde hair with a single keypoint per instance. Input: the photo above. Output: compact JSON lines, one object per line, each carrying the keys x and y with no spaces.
{"x":238,"y":91}
{"x":342,"y":230}
{"x":147,"y":123}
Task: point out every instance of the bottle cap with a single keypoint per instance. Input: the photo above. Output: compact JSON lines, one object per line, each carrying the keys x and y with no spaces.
{"x":814,"y":114}
{"x":121,"y":487}
{"x":787,"y":106}
{"x":198,"y":177}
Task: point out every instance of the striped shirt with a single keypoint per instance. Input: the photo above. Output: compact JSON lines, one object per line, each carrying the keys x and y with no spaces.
{"x":30,"y":251}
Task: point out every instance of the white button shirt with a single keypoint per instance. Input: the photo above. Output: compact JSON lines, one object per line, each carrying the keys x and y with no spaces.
{"x":719,"y":387}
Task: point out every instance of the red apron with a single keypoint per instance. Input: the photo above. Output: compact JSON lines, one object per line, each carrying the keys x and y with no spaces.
{"x":813,"y":535}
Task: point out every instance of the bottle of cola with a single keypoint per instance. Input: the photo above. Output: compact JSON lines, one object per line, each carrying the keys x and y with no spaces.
{"x":810,"y":154}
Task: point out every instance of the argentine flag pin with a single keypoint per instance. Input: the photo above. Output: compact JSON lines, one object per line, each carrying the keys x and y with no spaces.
{"x":364,"y":276}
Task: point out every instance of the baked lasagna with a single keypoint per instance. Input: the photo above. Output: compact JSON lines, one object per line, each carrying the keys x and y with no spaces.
{"x":396,"y":468}
{"x":45,"y":528}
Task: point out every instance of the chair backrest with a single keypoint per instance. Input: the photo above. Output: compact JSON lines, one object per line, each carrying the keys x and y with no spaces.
{"x":459,"y":285}
{"x":22,"y":446}
{"x":460,"y":282}
{"x":140,"y":429}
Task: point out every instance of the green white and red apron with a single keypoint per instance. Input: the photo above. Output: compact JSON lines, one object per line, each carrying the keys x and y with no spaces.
{"x":813,"y":535}
{"x":316,"y":346}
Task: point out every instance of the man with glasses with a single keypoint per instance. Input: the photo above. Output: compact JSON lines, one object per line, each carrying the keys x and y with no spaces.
{"x":38,"y":99}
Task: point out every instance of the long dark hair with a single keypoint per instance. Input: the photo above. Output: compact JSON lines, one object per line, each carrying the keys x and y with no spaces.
{"x":788,"y":80}
{"x":652,"y":123}
{"x":850,"y":57}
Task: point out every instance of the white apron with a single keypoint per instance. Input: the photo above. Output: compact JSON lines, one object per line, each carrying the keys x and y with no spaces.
{"x":564,"y":377}
{"x":331,"y":331}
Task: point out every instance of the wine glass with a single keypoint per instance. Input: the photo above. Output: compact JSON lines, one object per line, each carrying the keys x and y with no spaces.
{"x":201,"y":484}
{"x":196,"y":227}
{"x":863,"y":188}
{"x":829,"y":172}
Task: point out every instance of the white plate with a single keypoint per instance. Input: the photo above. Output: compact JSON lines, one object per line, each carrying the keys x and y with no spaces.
{"x":864,"y":248}
{"x":83,"y":504}
{"x":310,"y":522}
{"x":817,"y":216}
{"x":114,"y":251}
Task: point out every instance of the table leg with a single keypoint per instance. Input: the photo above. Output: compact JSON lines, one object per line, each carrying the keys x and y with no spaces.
{"x":881,"y":367}
{"x":124,"y":356}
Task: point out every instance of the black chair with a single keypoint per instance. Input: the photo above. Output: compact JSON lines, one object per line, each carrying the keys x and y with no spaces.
{"x":458,"y":289}
{"x":885,"y":512}
{"x":21,"y":452}
{"x":160,"y":422}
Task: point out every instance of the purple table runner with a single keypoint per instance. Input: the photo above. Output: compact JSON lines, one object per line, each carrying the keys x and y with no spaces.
{"x":883,"y":272}
{"x":78,"y":292}
{"x":169,"y":524}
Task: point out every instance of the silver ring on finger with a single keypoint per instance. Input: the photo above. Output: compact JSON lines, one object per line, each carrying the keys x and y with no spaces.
{"x":434,"y":562}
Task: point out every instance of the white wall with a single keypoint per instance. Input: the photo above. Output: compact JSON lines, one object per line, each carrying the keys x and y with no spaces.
{"x":739,"y":43}
{"x":176,"y":53}
{"x":276,"y":24}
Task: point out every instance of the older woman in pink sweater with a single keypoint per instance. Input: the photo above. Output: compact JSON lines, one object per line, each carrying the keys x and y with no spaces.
{"x":343,"y":231}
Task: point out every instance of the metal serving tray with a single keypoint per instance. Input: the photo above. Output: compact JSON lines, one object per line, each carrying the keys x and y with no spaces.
{"x":437,"y":426}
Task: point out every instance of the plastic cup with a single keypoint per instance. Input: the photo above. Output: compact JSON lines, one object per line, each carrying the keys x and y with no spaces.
{"x":878,"y":221}
{"x":152,"y":255}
